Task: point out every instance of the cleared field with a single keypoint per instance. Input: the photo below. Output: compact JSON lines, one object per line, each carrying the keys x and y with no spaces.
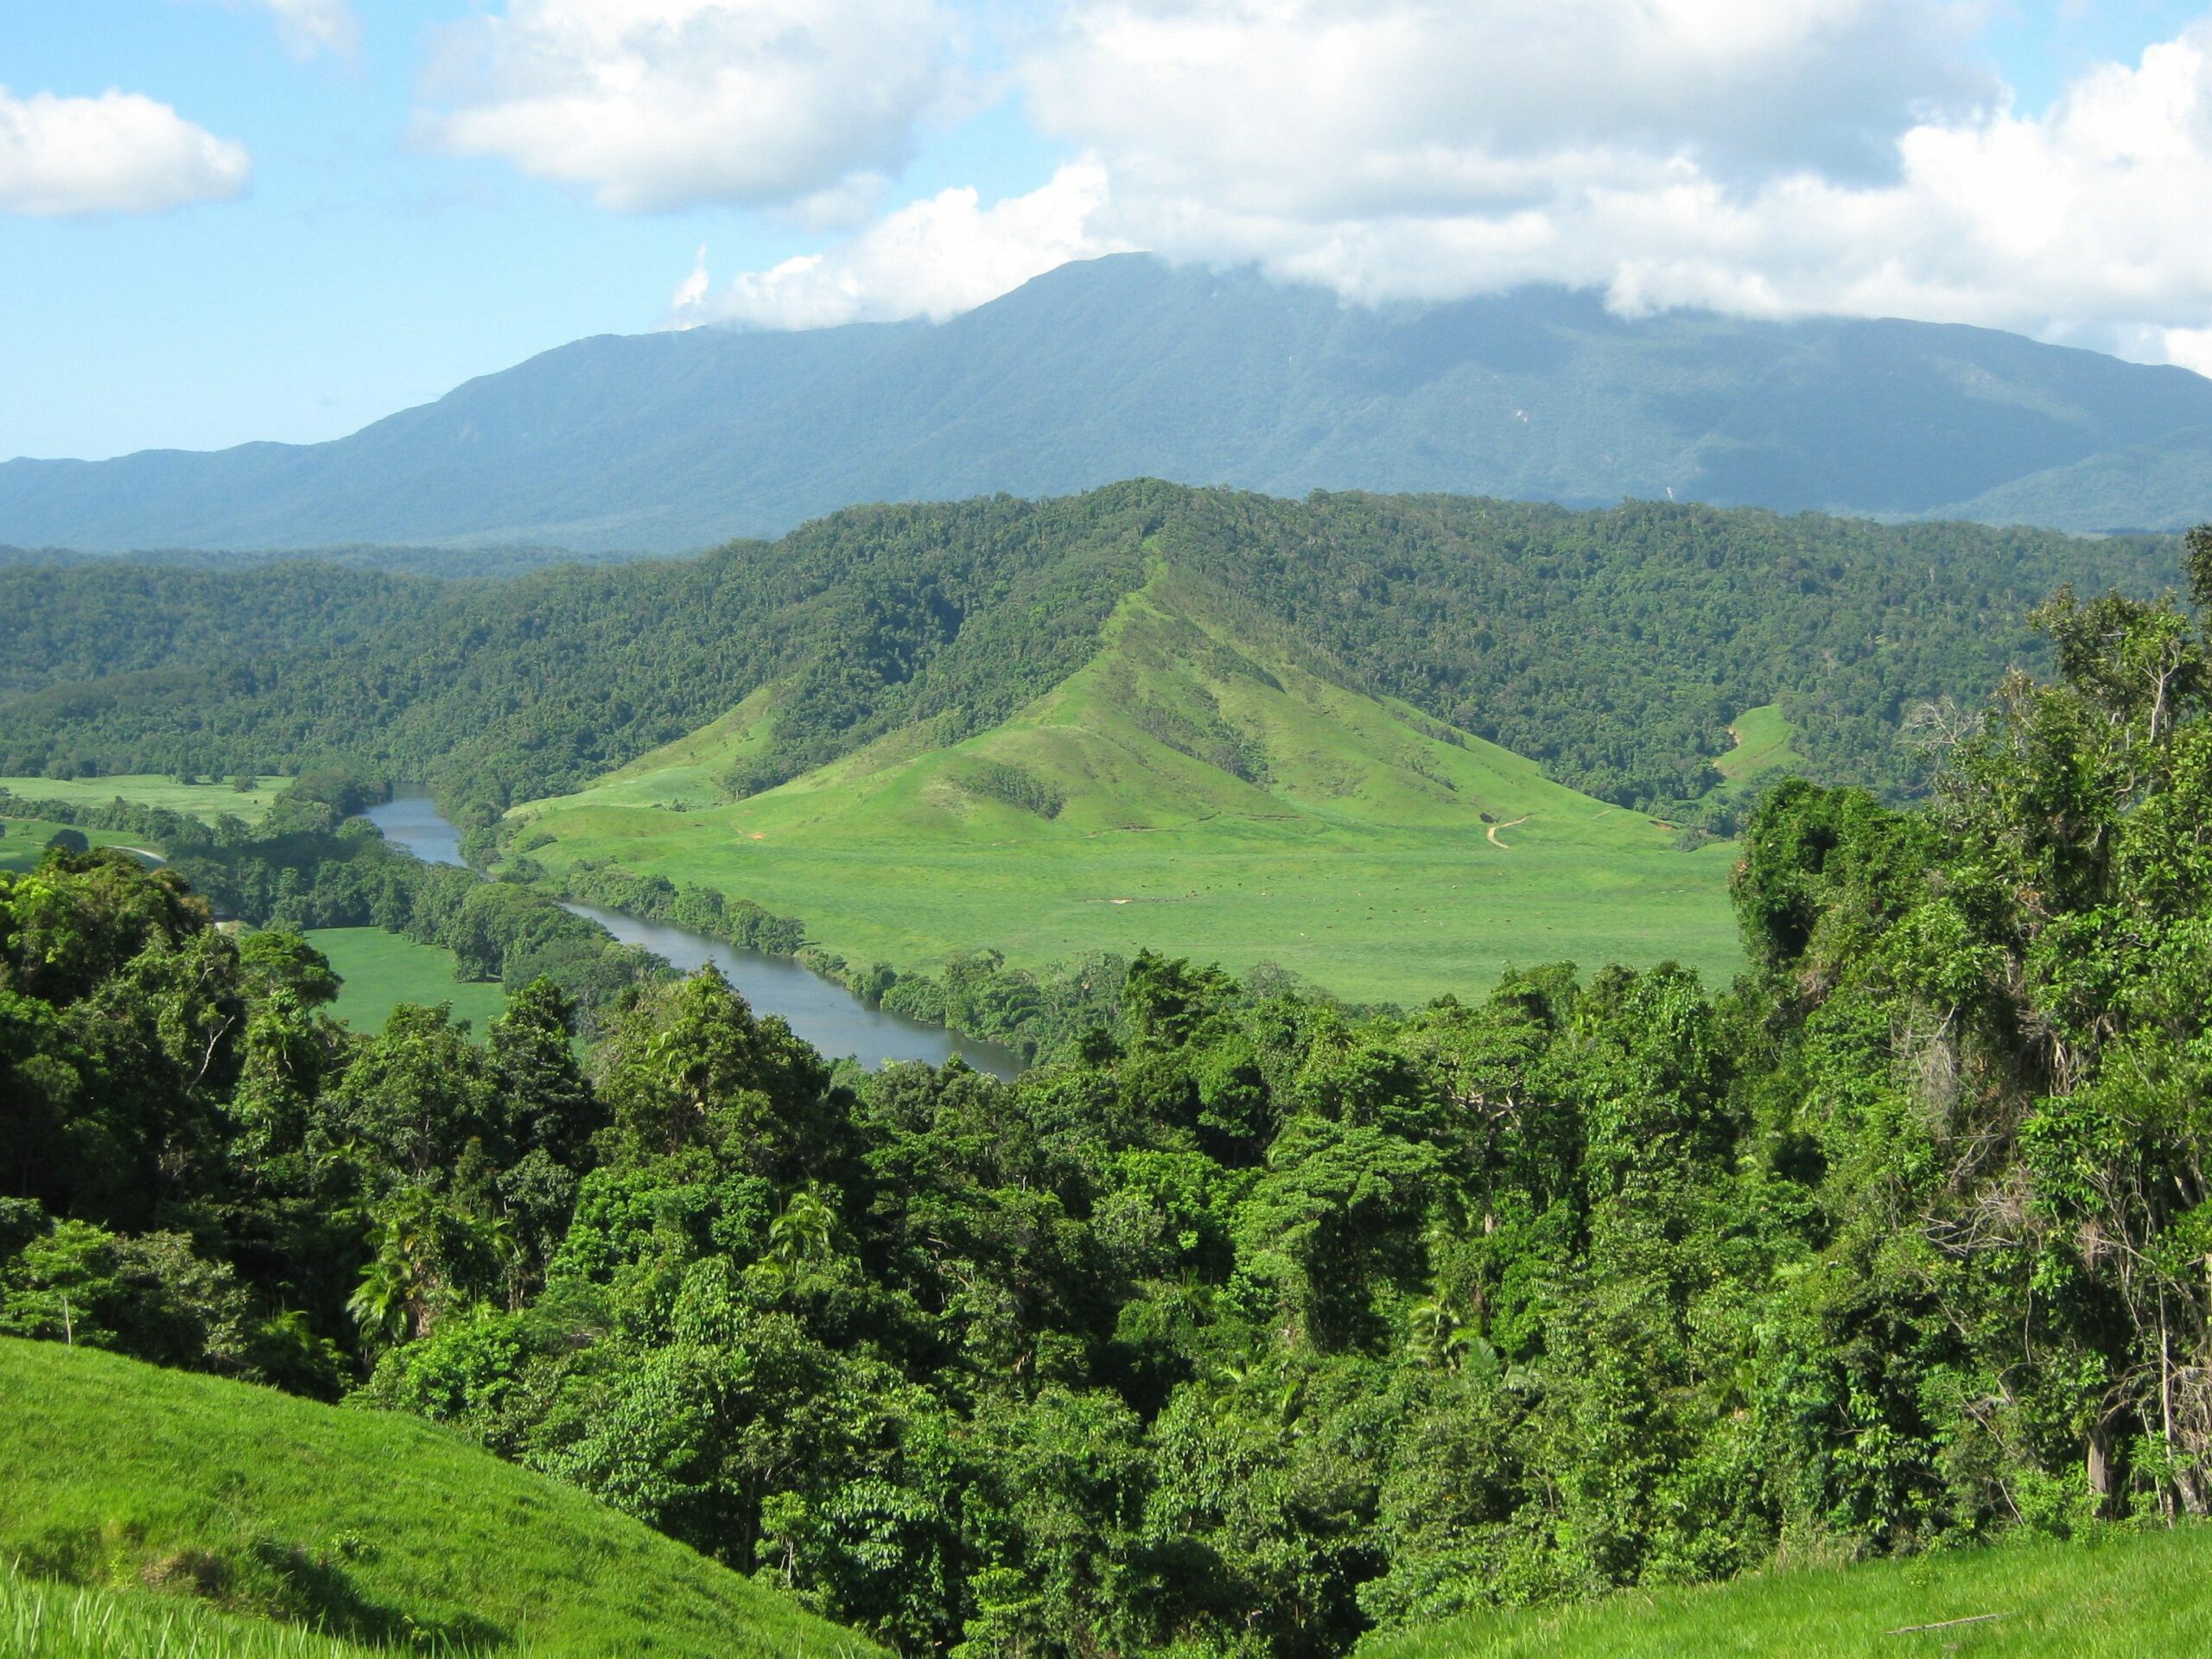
{"x":1187,"y":791}
{"x":382,"y":970}
{"x":376,"y":1529}
{"x":24,"y":842}
{"x":1764,"y":743}
{"x":2119,"y":1596}
{"x":205,"y":801}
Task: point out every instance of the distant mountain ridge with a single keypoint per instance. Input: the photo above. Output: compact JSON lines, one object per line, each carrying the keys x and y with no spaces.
{"x":1126,"y":366}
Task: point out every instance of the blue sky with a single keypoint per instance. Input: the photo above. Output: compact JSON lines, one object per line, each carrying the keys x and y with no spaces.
{"x":413,"y":216}
{"x":363,"y":272}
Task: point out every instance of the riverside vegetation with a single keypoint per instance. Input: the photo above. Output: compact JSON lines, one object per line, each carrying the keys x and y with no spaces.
{"x":1251,"y":1324}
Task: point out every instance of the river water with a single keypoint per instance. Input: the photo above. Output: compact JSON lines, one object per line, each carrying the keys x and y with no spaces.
{"x":822,"y":1012}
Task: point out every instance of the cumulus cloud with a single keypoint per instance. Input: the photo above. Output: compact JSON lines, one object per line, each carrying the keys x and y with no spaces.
{"x":1319,"y":108}
{"x":668,"y":103}
{"x":931,"y":258}
{"x":1402,"y":150}
{"x":118,"y":152}
{"x":1849,"y":157}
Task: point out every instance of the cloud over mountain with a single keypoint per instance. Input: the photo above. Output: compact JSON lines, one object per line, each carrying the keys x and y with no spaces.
{"x":1848,"y":156}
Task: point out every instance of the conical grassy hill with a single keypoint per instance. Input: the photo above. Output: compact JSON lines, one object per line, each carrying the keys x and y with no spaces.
{"x":1192,"y":787}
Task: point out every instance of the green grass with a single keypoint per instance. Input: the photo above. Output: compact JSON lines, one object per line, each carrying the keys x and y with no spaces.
{"x":1379,"y":854}
{"x":375,"y":1527}
{"x":2118,"y":1597}
{"x":382,"y":970}
{"x":24,"y":844}
{"x":203,"y":801}
{"x":61,"y":1621}
{"x":1763,"y":743}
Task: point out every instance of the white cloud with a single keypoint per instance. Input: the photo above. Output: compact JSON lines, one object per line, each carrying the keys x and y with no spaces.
{"x":931,"y":258}
{"x":311,"y":26}
{"x":1320,"y":108}
{"x":118,"y":152}
{"x":1788,"y":157}
{"x":2189,"y":348}
{"x":667,"y":103}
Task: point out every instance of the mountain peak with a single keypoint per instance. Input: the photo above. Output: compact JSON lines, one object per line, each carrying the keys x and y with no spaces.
{"x":1112,"y":367}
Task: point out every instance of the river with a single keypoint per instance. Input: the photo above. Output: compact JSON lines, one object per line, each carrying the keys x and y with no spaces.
{"x":821,"y":1012}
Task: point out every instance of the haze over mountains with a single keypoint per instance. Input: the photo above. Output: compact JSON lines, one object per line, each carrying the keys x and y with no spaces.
{"x":1125,"y":366}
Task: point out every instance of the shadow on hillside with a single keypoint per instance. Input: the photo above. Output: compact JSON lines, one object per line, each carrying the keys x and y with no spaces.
{"x":316,"y":1590}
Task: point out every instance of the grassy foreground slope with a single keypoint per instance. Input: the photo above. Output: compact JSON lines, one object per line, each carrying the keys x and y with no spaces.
{"x":381,"y":970}
{"x":1191,"y":788}
{"x":64,"y":1621}
{"x":2114,"y":1598}
{"x":377,"y":1528}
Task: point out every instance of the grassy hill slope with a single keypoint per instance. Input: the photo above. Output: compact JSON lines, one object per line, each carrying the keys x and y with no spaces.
{"x":377,"y":1528}
{"x":2115,"y":1598}
{"x":1192,"y":787}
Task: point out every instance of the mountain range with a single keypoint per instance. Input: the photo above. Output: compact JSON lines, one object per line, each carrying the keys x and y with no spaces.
{"x":1126,"y":366}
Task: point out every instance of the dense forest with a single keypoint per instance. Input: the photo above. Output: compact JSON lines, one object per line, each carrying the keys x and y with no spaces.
{"x":1614,"y":647}
{"x":1252,"y":1322}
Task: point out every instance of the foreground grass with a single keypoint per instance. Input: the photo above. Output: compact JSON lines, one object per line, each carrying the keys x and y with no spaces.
{"x":1377,"y":853}
{"x":60,"y":1621}
{"x":376,"y":1529}
{"x":2117,"y":1597}
{"x":205,"y":801}
{"x":382,"y":970}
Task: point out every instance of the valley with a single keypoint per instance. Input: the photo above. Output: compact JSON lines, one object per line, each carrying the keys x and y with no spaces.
{"x":1185,"y":791}
{"x":1105,"y":830}
{"x":1470,"y":991}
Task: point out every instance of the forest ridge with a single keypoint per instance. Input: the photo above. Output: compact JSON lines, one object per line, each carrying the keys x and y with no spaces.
{"x":1614,"y":647}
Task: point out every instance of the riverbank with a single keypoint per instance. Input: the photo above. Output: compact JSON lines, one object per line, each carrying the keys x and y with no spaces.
{"x":820,"y":1010}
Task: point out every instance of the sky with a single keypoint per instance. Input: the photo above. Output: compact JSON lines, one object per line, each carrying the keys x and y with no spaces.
{"x":226,"y":220}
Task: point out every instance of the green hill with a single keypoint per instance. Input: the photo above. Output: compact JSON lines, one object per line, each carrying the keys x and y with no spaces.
{"x":2119,"y":1596}
{"x":925,"y":729}
{"x":376,"y":1529}
{"x":1191,"y":788}
{"x":2167,"y":480}
{"x":1614,"y":648}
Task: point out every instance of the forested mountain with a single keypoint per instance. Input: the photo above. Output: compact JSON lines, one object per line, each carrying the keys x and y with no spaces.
{"x":1248,"y":1322}
{"x":1124,"y":366}
{"x":1614,"y":647}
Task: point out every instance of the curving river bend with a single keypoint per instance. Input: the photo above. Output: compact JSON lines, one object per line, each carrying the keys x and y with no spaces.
{"x":824,"y":1013}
